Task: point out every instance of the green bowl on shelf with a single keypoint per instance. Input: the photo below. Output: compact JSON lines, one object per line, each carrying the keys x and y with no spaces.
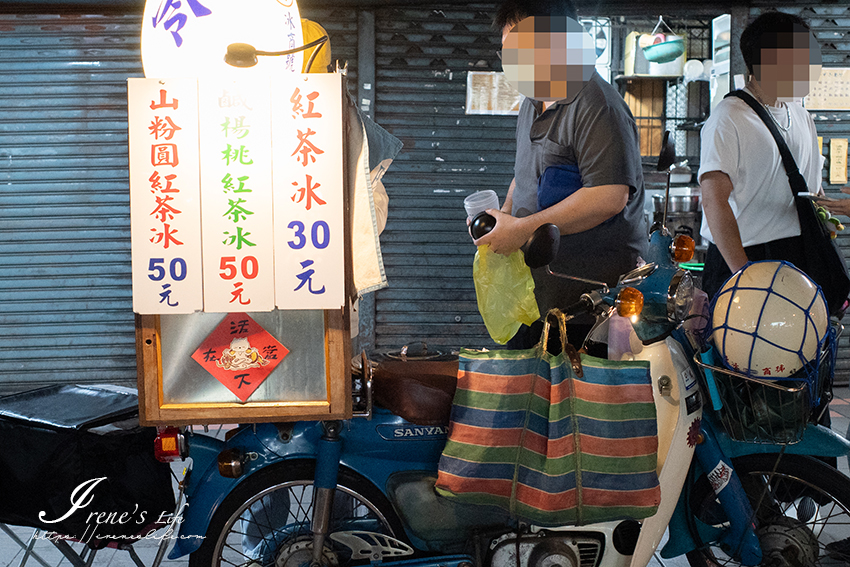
{"x":665,"y":51}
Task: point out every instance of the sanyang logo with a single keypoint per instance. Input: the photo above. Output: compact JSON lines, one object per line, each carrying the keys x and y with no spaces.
{"x":413,"y":431}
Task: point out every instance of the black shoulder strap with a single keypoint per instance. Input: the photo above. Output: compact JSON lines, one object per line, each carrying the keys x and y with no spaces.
{"x":795,"y":179}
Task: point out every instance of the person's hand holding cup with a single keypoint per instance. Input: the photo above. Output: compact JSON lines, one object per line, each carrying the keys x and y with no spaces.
{"x":479,"y":202}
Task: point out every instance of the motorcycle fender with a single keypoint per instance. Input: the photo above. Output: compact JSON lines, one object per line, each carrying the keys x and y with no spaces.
{"x":205,"y":492}
{"x":679,"y":410}
{"x":679,"y":540}
{"x":208,"y":489}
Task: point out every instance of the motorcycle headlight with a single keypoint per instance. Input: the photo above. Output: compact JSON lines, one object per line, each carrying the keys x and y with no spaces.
{"x":680,"y":296}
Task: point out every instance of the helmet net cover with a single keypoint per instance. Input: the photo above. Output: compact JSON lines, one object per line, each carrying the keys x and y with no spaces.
{"x":770,"y":321}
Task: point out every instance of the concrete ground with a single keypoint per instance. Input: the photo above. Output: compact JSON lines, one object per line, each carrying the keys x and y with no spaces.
{"x":11,"y":553}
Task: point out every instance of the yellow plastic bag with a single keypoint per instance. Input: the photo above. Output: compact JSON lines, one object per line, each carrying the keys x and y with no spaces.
{"x":505,"y":292}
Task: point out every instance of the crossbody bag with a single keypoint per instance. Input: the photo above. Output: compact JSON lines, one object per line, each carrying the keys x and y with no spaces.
{"x":824,"y":260}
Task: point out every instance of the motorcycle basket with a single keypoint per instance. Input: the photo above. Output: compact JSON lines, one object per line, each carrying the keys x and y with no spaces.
{"x":761,"y":411}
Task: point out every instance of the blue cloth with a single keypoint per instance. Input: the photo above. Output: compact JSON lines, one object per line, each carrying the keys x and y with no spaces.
{"x":556,"y":184}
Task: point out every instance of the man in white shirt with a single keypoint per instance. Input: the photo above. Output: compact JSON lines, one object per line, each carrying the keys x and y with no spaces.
{"x":748,"y":207}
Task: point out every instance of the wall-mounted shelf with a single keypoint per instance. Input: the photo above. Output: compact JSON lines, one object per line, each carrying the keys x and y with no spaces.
{"x":664,"y":102}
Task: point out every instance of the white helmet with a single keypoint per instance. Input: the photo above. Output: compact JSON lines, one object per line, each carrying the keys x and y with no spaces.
{"x":769,"y":320}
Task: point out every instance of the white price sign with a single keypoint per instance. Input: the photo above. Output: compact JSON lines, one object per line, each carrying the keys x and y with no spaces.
{"x":164,"y":195}
{"x":241,"y":209}
{"x":236,"y":188}
{"x":308,"y":192}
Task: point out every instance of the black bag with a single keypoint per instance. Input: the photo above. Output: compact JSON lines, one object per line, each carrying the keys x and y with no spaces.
{"x":824,"y":261}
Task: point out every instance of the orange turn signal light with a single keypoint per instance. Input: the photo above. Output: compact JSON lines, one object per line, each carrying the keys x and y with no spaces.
{"x":629,"y":302}
{"x":682,"y":248}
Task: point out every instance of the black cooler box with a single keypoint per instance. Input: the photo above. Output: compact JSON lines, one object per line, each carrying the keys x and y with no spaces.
{"x":59,"y":439}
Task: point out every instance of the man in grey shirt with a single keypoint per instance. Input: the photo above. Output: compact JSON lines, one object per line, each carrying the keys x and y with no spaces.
{"x":576,"y":123}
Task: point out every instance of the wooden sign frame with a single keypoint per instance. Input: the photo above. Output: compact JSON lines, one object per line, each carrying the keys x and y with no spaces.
{"x":154,"y":409}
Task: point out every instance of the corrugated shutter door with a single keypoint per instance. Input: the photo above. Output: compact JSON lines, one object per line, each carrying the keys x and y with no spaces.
{"x":65,"y":293}
{"x":65,"y":313}
{"x":422,"y":60}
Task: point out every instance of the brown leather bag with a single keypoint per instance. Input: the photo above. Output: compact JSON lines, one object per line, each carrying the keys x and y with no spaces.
{"x":419,"y":391}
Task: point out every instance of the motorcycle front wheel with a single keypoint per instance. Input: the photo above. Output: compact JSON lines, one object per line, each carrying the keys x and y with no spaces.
{"x":266,"y":520}
{"x":802,"y":512}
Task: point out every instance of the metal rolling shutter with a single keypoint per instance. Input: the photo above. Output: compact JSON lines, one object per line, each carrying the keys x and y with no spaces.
{"x":65,"y":293}
{"x":65,"y":312}
{"x":831,"y":26}
{"x":423,"y":56}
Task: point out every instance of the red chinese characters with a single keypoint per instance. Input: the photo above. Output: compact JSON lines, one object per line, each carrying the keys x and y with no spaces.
{"x":164,"y":155}
{"x":307,"y":142}
{"x":165,"y":215}
{"x":240,"y":354}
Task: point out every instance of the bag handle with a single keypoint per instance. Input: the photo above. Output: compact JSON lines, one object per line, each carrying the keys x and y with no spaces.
{"x":566,"y":348}
{"x":575,"y":363}
{"x":795,"y":178}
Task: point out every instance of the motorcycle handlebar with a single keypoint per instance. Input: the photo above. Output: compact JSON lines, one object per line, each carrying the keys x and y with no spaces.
{"x":583,"y":305}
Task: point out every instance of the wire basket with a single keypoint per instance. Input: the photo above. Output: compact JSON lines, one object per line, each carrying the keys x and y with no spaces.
{"x":767,"y":412}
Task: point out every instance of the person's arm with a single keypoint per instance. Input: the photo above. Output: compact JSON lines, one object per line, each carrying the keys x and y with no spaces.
{"x":837,"y":206}
{"x":583,"y":210}
{"x":507,"y":206}
{"x":715,"y":188}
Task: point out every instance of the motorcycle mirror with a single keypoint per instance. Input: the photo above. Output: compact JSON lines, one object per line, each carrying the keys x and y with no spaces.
{"x":542,"y":247}
{"x":667,"y":157}
{"x":481,"y":224}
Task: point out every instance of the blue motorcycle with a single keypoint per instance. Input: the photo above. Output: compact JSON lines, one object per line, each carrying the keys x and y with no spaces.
{"x":362,"y":490}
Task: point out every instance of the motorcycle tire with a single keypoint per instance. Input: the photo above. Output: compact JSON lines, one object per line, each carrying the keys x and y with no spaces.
{"x":265,"y":521}
{"x":802,"y":512}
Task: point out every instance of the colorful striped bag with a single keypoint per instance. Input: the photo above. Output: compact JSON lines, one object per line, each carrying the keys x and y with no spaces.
{"x":555,"y":440}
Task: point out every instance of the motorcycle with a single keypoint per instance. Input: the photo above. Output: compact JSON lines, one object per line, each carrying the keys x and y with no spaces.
{"x":340,"y":493}
{"x":362,"y":490}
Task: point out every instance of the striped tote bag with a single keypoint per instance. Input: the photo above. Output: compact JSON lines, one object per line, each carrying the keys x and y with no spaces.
{"x":552,"y":447}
